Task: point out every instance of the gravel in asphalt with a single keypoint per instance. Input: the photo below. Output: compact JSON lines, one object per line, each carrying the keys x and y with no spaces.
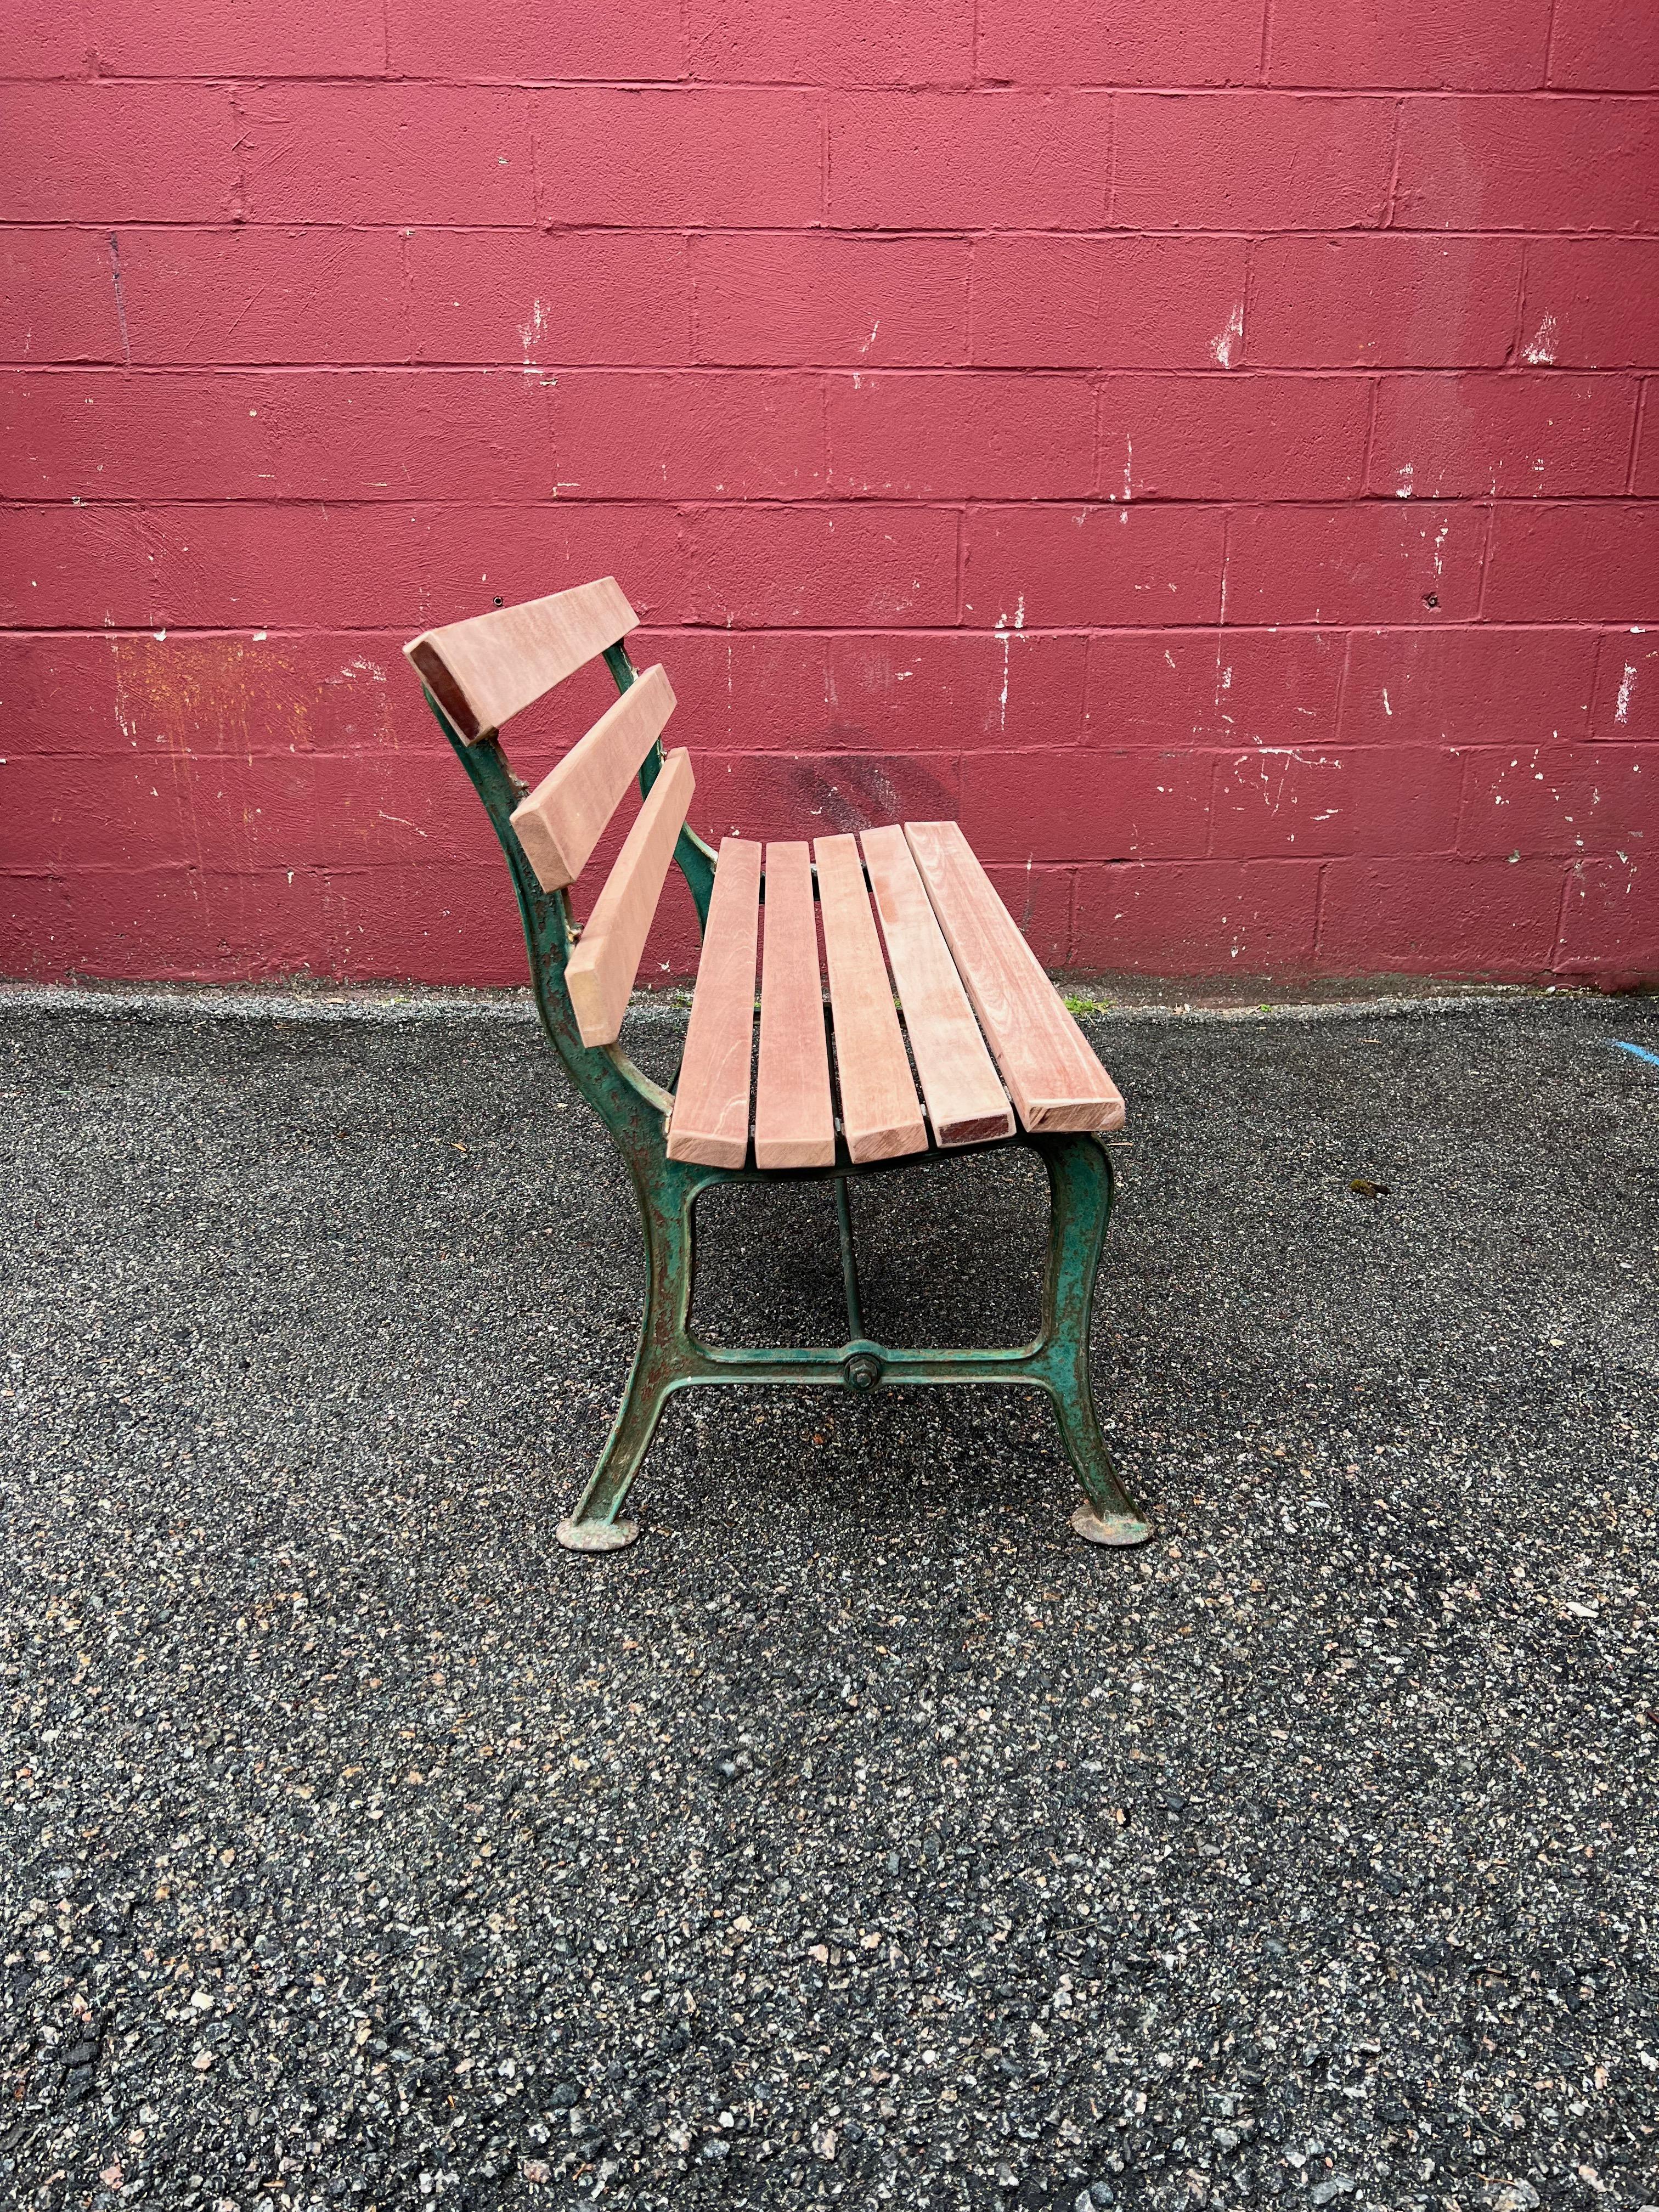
{"x":859,"y":1835}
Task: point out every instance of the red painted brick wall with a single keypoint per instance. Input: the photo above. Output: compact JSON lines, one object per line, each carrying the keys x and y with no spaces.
{"x":1207,"y":449}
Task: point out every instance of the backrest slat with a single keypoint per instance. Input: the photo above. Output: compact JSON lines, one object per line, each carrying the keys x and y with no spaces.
{"x":601,"y":970}
{"x":564,"y":818}
{"x":484,"y":669}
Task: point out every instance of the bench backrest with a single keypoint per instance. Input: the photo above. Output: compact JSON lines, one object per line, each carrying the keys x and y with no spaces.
{"x":480,"y":672}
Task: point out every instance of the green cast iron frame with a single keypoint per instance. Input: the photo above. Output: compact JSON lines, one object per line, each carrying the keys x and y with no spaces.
{"x":669,"y":1357}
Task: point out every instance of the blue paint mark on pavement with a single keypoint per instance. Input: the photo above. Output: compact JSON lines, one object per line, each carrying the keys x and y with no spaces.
{"x":1640,"y":1051}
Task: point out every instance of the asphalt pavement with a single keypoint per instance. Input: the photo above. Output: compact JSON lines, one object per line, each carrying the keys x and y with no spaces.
{"x":859,"y":1835}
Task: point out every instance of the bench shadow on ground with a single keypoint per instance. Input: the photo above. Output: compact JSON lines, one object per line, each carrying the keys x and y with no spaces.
{"x":949,"y":1256}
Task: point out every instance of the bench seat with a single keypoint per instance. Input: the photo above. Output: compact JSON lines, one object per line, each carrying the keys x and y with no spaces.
{"x":990,"y":1043}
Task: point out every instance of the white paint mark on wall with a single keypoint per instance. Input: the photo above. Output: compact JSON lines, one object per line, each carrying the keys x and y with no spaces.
{"x":1225,"y":344}
{"x":1007,"y":644}
{"x":1541,"y":351}
{"x":530,"y":332}
{"x":1626,"y":689}
{"x":1403,"y":490}
{"x":1386,"y":709}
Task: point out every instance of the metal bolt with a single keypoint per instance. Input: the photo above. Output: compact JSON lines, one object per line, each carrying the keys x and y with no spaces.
{"x":862,"y":1370}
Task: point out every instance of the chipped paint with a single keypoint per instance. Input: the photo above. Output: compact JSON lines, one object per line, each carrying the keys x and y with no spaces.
{"x":531,"y":330}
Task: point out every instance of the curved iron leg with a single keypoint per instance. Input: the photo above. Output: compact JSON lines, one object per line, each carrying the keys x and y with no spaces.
{"x":596,"y":1525}
{"x":1080,"y":1194}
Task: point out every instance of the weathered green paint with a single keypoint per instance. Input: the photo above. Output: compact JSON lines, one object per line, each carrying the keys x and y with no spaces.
{"x":669,"y":1357}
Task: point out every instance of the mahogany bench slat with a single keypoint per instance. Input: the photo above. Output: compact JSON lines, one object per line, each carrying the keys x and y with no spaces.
{"x":794,"y":1120}
{"x":566,"y":814}
{"x":1056,"y":1081}
{"x":603,"y":967}
{"x":709,"y":1124}
{"x":879,"y":1114}
{"x":966,"y":1104}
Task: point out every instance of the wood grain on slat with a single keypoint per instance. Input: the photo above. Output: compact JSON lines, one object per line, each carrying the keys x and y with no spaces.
{"x":710,"y":1121}
{"x":600,"y":972}
{"x":1046,"y":1060}
{"x":565,"y":817}
{"x":880,"y":1117}
{"x":965,"y":1102}
{"x":483,"y":670}
{"x":794,"y":1122}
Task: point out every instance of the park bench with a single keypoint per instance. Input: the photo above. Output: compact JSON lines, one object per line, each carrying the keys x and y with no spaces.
{"x":999,"y":1059}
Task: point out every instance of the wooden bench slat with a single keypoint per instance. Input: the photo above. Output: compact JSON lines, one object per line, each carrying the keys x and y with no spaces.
{"x":965,"y":1102}
{"x":880,"y":1117}
{"x":565,"y":817}
{"x":794,"y":1120}
{"x":600,"y":972}
{"x":482,"y":670}
{"x":709,"y":1124}
{"x":1046,"y":1060}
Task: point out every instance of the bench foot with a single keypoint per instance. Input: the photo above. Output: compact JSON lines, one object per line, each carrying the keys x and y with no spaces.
{"x":1122,"y":1530}
{"x":596,"y":1536}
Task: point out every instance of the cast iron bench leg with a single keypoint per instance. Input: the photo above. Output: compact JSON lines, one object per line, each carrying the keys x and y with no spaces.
{"x":666,"y":1205}
{"x":1080,"y":1190}
{"x":1081,"y":1203}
